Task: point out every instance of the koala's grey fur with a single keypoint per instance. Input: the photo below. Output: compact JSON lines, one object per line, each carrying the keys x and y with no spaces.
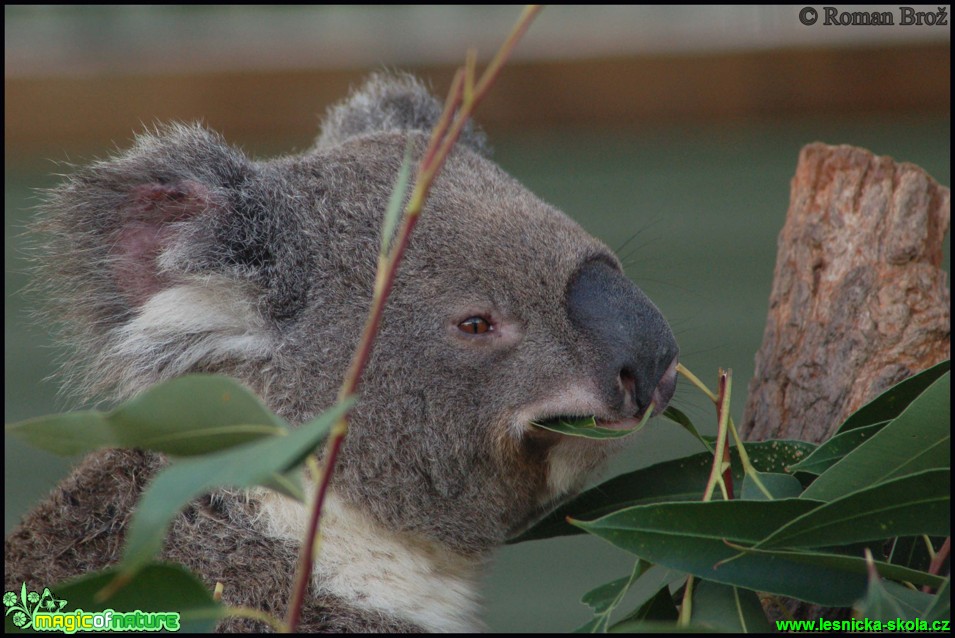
{"x":183,"y":255}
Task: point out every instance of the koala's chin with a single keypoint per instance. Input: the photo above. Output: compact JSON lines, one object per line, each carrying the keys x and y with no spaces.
{"x":184,"y":255}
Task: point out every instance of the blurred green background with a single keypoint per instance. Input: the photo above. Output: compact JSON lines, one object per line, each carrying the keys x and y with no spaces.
{"x":694,"y":201}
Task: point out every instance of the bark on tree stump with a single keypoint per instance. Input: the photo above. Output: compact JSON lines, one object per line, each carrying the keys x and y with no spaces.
{"x":859,"y":301}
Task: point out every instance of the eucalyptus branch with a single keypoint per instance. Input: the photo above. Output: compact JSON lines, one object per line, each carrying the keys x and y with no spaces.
{"x":695,"y":381}
{"x":721,"y":463}
{"x":462,"y":100}
{"x":938,"y":560}
{"x":748,"y":468}
{"x":257,"y":614}
{"x":721,"y":456}
{"x":686,"y":607}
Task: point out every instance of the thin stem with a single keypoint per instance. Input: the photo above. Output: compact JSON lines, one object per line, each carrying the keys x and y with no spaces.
{"x":441,"y":128}
{"x":692,"y":378}
{"x":720,"y":458}
{"x":938,"y":560}
{"x":494,"y":68}
{"x":717,"y":470}
{"x":470,"y":64}
{"x":257,"y":614}
{"x":472,"y":96}
{"x":686,"y":608}
{"x":446,"y":133}
{"x":722,"y":411}
{"x":748,"y":468}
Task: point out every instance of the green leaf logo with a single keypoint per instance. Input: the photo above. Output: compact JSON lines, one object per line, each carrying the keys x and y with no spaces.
{"x":27,"y":604}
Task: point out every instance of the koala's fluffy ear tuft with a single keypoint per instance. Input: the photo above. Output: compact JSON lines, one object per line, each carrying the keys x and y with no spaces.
{"x":390,"y":103}
{"x":138,"y":251}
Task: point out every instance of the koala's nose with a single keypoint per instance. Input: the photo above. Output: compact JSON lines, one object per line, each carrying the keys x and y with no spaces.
{"x":636,"y":350}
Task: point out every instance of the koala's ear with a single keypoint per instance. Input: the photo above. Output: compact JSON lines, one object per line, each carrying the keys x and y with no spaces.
{"x":156,"y":260}
{"x":115,"y":221}
{"x":390,"y":103}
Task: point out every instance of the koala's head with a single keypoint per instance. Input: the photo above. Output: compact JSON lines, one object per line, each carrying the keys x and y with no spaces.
{"x":185,"y":255}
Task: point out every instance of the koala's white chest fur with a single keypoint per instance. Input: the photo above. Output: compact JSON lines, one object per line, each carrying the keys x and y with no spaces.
{"x":376,"y":569}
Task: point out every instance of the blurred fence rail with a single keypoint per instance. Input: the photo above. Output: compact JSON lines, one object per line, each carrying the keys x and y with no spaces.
{"x":76,"y":76}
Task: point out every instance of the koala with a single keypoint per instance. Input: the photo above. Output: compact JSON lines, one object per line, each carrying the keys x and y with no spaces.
{"x":183,"y":255}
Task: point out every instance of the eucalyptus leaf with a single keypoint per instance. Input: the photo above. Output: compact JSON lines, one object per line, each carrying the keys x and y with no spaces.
{"x":157,"y":587}
{"x":895,"y":400}
{"x":593,"y":626}
{"x":251,"y":464}
{"x":654,"y":583}
{"x":681,"y":479}
{"x":587,"y":427}
{"x":709,"y":539}
{"x":832,"y":451}
{"x":779,"y":486}
{"x":915,"y":504}
{"x":659,"y":607}
{"x":395,"y":207}
{"x":684,"y":421}
{"x":940,"y":608}
{"x":728,"y":609}
{"x":736,"y":521}
{"x":604,"y":599}
{"x":658,"y":627}
{"x":918,"y":439}
{"x":66,"y":434}
{"x":887,"y":601}
{"x":189,"y":415}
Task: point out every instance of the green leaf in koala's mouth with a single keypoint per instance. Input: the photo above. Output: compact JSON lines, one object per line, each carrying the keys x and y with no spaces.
{"x":587,"y":427}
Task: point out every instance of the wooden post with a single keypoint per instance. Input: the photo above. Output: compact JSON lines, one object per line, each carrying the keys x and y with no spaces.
{"x":859,"y":301}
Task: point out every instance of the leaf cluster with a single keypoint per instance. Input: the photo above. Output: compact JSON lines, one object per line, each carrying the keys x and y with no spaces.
{"x":854,"y":521}
{"x":216,"y":433}
{"x":881,"y":484}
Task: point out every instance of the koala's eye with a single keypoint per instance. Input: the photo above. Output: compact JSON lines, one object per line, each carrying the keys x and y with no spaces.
{"x":475,"y":325}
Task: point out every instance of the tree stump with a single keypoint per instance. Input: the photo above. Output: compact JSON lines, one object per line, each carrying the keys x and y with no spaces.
{"x":859,"y":301}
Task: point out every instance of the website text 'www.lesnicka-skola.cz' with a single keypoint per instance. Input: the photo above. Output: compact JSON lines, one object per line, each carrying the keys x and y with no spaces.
{"x":863,"y":624}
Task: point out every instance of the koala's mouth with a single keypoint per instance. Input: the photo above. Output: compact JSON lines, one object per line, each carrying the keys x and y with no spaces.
{"x":572,"y":419}
{"x":623,"y":424}
{"x":596,"y":427}
{"x":583,"y":425}
{"x":589,"y":421}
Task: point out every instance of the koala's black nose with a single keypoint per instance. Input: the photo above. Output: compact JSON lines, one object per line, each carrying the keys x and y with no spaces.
{"x":636,"y":350}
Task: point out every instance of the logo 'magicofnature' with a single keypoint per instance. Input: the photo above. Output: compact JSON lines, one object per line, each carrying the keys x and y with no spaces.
{"x":44,"y":612}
